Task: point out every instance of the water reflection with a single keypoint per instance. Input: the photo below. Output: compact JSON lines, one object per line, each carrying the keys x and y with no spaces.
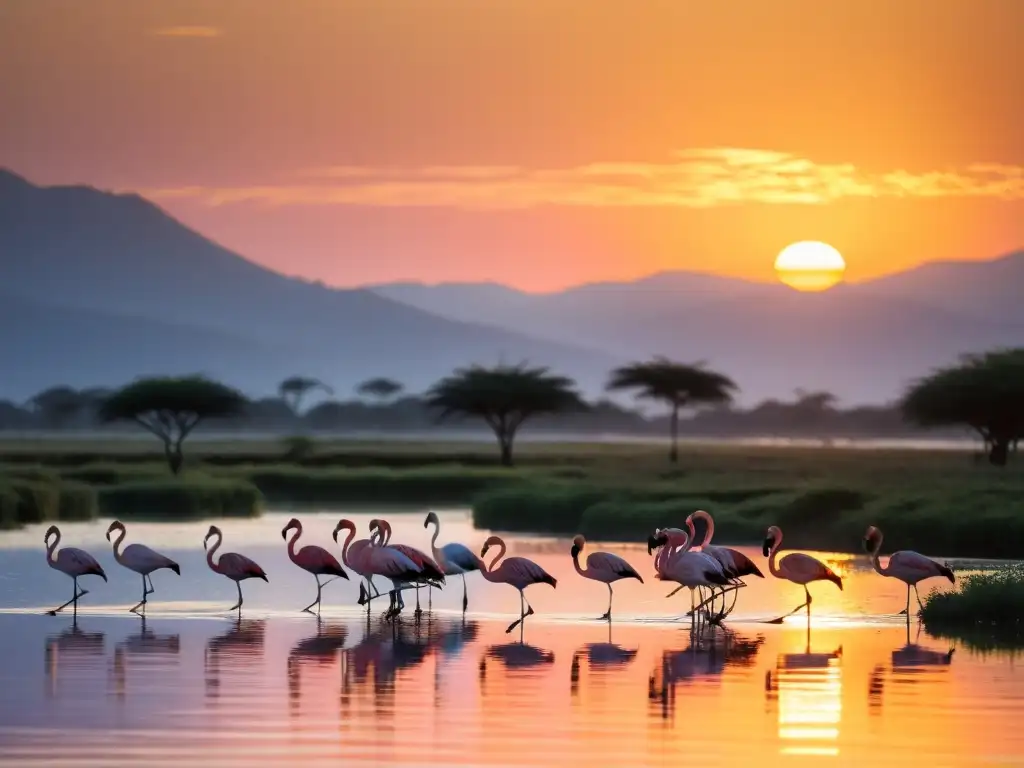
{"x":599,"y":656}
{"x":806,"y":691}
{"x":237,"y":649}
{"x":518,"y":655}
{"x":316,"y":651}
{"x":151,"y":653}
{"x":72,"y":649}
{"x":704,"y":660}
{"x":910,"y":665}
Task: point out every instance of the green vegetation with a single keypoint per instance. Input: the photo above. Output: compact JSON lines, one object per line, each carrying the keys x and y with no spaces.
{"x":36,"y":497}
{"x":985,"y":610}
{"x":938,"y":502}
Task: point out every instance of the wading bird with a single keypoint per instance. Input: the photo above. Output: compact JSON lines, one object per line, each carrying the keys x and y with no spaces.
{"x":604,"y":567}
{"x":905,"y":565}
{"x":311,"y":558}
{"x":454,"y":559}
{"x":430,"y":572}
{"x":236,"y":567}
{"x":517,"y":572}
{"x":392,"y":564}
{"x":796,"y":567}
{"x":692,"y":570}
{"x":73,"y":562}
{"x":142,"y":560}
{"x":735,"y":564}
{"x":353,"y":555}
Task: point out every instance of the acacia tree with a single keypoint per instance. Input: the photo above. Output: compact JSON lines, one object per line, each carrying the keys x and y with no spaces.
{"x":171,"y":408}
{"x":293,"y":390}
{"x":57,"y":406}
{"x":679,"y":385}
{"x":504,"y":397}
{"x":380,"y":388}
{"x":983,"y":392}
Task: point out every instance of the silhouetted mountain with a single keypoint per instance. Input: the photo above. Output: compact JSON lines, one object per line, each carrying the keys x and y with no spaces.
{"x":111,"y":255}
{"x":863,"y":342}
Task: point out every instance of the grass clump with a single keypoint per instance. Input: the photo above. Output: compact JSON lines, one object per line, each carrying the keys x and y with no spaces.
{"x":175,"y":499}
{"x":988,"y":602}
{"x":26,"y":501}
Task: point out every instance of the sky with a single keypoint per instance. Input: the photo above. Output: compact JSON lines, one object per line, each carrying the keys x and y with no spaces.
{"x":538,"y":143}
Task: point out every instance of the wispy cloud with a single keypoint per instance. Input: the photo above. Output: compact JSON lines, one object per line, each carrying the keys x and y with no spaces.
{"x":193,"y":31}
{"x":692,"y":178}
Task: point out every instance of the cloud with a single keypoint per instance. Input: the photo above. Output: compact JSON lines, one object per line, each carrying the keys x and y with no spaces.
{"x":692,"y":178}
{"x":195,"y":31}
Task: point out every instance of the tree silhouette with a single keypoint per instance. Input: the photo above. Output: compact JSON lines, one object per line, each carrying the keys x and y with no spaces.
{"x":679,"y":385}
{"x":293,"y":390}
{"x":380,"y":388}
{"x":57,"y":406}
{"x":984,"y":392}
{"x":504,"y":397}
{"x":171,"y":408}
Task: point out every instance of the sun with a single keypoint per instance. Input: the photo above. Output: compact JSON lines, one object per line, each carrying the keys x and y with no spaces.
{"x":810,"y":266}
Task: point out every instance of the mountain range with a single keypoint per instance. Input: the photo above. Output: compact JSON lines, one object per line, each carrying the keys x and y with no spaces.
{"x":96,"y":288}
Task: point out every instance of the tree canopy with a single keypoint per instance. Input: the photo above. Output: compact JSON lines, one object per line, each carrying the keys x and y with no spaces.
{"x":171,"y":407}
{"x":678,"y":384}
{"x":380,"y":387}
{"x":983,"y":392}
{"x":294,"y":389}
{"x":504,"y":397}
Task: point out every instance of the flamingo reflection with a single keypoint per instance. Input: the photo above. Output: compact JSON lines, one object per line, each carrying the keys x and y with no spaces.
{"x":706,"y":658}
{"x":237,"y":648}
{"x":911,"y":664}
{"x":806,"y":688}
{"x":145,"y":648}
{"x":319,"y":650}
{"x":516,"y":656}
{"x":599,"y":656}
{"x":72,"y":649}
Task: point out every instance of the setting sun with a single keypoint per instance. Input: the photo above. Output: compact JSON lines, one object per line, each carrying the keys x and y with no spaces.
{"x":810,"y":266}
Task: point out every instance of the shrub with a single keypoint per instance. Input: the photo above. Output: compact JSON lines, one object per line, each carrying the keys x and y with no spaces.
{"x":991,"y":601}
{"x":175,"y":499}
{"x":535,"y":507}
{"x":24,"y":502}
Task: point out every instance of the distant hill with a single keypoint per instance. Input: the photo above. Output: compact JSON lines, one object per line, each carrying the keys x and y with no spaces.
{"x":110,"y":284}
{"x":863,"y":342}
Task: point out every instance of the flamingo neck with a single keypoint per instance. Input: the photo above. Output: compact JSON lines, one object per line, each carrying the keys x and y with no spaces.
{"x":772,"y":566}
{"x":700,"y":514}
{"x":347,"y":542}
{"x":433,"y":541}
{"x":117,"y":543}
{"x":576,"y":565}
{"x":487,"y":572}
{"x":209,"y":553}
{"x":875,"y":561}
{"x":52,"y":548}
{"x":387,"y":533}
{"x":292,"y":540}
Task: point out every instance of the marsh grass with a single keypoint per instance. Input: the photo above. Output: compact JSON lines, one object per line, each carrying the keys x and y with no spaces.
{"x":175,"y":499}
{"x":38,"y":499}
{"x":985,"y":607}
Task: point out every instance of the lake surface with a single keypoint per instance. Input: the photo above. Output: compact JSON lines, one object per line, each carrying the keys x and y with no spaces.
{"x":856,"y":685}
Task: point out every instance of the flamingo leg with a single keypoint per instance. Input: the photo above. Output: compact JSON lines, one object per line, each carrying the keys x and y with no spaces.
{"x":316,"y":602}
{"x":465,"y":595}
{"x":907,"y":609}
{"x":608,"y":614}
{"x":76,"y":594}
{"x":525,"y":609}
{"x":142,"y":603}
{"x":918,"y":596}
{"x":237,"y":605}
{"x":430,"y":598}
{"x":418,"y":609}
{"x":806,"y":604}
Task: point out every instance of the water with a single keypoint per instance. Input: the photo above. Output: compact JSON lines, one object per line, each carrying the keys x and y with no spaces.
{"x":857,"y":684}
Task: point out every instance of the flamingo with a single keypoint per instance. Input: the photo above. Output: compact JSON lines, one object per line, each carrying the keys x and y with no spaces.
{"x":735,"y":564}
{"x":353,"y":554}
{"x":72,"y":562}
{"x":796,"y":567}
{"x":429,"y":570}
{"x":517,"y":572}
{"x":236,"y":567}
{"x":678,"y":542}
{"x":604,"y":567}
{"x":689,"y":569}
{"x":905,"y":565}
{"x":391,"y":563}
{"x":455,"y":559}
{"x":312,"y":558}
{"x":142,"y":560}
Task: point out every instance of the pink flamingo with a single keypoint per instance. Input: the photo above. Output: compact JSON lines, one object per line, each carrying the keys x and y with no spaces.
{"x":391,"y":563}
{"x":455,"y":559}
{"x":517,"y":572}
{"x":314,"y":559}
{"x":353,"y":555}
{"x":796,"y":567}
{"x":604,"y":567}
{"x":735,"y":564}
{"x":430,"y":572}
{"x":692,"y":570}
{"x":72,"y":562}
{"x":236,"y":567}
{"x":142,"y":560}
{"x":905,"y":565}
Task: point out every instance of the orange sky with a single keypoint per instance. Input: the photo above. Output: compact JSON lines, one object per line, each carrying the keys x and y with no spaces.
{"x":535,"y":143}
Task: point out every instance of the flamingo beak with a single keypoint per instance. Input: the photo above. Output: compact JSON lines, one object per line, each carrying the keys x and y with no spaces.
{"x":284,"y":534}
{"x":484,"y":550}
{"x":575,"y":551}
{"x":653,"y":542}
{"x":767,"y":548}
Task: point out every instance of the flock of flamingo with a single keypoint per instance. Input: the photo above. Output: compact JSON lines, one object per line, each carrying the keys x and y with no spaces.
{"x":718,"y":570}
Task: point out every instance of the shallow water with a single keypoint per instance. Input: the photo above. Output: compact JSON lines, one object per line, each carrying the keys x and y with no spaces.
{"x":189,"y":684}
